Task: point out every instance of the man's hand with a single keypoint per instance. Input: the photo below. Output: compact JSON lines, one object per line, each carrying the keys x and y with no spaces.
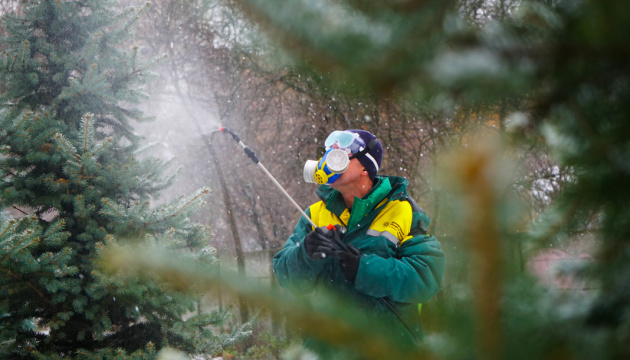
{"x":349,"y":263}
{"x":319,"y":243}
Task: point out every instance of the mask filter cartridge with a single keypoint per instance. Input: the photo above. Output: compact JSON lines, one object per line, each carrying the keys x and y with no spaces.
{"x":328,"y":168}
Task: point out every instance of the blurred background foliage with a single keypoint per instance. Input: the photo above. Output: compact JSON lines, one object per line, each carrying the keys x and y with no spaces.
{"x":468,"y":87}
{"x":509,"y":118}
{"x":438,"y":81}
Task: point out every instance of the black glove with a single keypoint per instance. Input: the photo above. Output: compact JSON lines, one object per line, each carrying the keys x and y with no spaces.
{"x":349,"y":262}
{"x":319,"y":243}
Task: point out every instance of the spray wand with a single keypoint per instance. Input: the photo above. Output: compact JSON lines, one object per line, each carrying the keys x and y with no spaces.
{"x":252,"y":155}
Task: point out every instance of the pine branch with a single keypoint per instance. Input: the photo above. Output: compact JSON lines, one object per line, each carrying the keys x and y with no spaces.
{"x":45,"y":257}
{"x":48,"y":135}
{"x":85,"y":141}
{"x":133,"y":59}
{"x":14,"y":129}
{"x":13,"y":62}
{"x":61,"y":139}
{"x":24,"y":54}
{"x":88,"y":77}
{"x":87,"y":125}
{"x":90,"y":355}
{"x":89,"y":47}
{"x":9,"y":226}
{"x":28,"y":283}
{"x":204,"y":192}
{"x":136,"y":17}
{"x":66,"y":251}
{"x":102,"y":146}
{"x":153,"y":62}
{"x":112,"y":207}
{"x":18,"y":244}
{"x":168,"y":235}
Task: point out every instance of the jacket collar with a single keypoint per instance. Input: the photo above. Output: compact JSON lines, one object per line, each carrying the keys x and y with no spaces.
{"x":383,"y":187}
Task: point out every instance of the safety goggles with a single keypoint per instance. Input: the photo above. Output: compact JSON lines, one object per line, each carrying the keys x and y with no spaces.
{"x":344,"y":140}
{"x":352,"y":142}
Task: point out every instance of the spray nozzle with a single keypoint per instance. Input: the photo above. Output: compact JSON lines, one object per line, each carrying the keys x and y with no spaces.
{"x":252,"y":155}
{"x":234,"y":135}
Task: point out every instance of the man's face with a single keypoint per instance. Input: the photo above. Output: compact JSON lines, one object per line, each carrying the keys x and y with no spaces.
{"x":350,"y":176}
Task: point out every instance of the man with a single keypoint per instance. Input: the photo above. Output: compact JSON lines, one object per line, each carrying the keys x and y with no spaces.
{"x":380,"y":254}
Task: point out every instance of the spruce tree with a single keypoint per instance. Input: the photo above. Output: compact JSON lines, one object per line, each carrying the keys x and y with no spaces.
{"x":70,"y":159}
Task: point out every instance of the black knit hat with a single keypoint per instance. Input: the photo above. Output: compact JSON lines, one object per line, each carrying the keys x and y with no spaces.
{"x":372,"y":159}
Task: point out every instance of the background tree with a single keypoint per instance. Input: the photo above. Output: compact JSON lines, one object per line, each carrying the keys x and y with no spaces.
{"x":72,"y":161}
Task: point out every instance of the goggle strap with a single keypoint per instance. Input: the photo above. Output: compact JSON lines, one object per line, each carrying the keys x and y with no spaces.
{"x":373,"y":160}
{"x":365,"y":151}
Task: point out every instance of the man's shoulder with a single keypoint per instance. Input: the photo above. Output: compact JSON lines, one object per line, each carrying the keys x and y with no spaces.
{"x":324,"y":192}
{"x":396,"y":182}
{"x":317,"y":206}
{"x":401,"y":199}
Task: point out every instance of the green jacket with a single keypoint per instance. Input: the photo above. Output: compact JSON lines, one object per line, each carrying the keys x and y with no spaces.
{"x":401,"y":262}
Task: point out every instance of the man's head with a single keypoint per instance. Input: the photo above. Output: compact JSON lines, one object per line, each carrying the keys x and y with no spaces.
{"x":342,"y":149}
{"x":370,"y":151}
{"x":360,"y":144}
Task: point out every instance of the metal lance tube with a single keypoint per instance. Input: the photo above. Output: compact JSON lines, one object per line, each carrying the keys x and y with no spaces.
{"x":252,"y":155}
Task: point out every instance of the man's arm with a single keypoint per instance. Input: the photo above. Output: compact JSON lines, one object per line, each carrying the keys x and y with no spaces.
{"x":293,"y":268}
{"x":414,"y":276}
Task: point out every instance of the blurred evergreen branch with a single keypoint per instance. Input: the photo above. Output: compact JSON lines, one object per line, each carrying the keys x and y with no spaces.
{"x":323,"y":316}
{"x":561,"y":66}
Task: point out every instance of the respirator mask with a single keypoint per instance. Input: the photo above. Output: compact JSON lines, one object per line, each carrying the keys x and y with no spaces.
{"x":336,"y":159}
{"x":328,"y":168}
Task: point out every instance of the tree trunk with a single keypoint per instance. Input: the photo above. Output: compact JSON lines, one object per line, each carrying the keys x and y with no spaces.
{"x":240,"y":258}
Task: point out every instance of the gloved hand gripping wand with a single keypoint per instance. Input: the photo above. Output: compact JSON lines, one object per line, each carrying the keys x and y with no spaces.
{"x":252,"y":155}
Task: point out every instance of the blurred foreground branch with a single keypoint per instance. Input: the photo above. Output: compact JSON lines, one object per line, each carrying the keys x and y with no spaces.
{"x":325,"y":317}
